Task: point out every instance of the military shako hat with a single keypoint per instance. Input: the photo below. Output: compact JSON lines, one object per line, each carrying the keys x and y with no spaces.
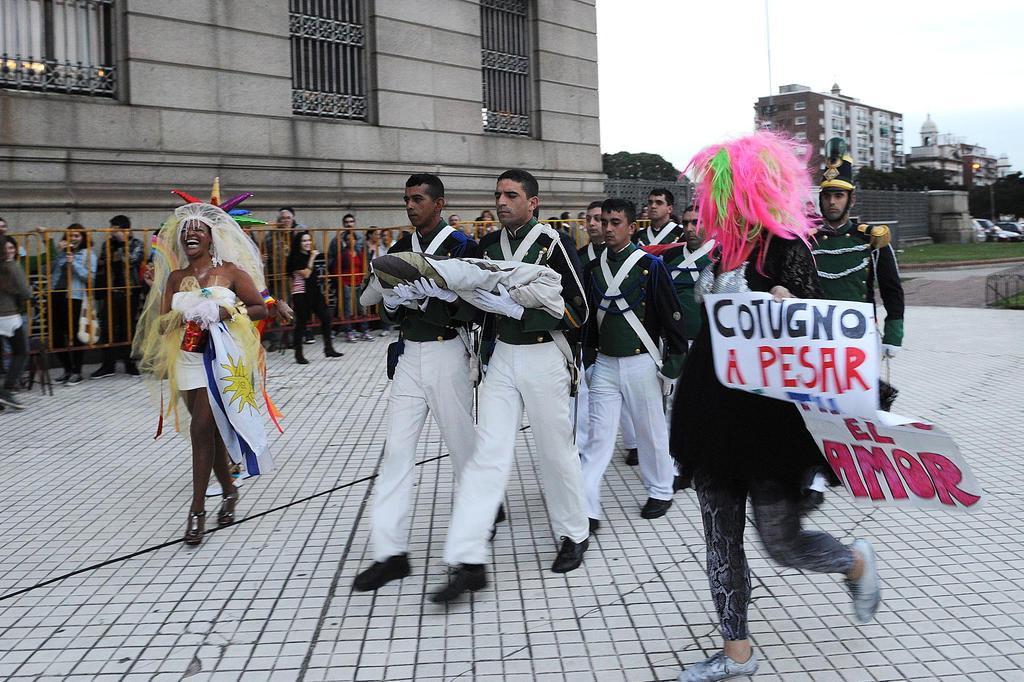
{"x":838,"y":172}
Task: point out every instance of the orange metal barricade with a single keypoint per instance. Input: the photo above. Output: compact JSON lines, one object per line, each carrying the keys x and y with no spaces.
{"x":115,"y":283}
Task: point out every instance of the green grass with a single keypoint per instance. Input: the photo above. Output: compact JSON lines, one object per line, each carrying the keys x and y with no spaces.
{"x":951,"y":253}
{"x":1016,"y":302}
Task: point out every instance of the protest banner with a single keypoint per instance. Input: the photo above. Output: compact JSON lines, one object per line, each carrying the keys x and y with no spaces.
{"x":816,"y":353}
{"x":894,"y":460}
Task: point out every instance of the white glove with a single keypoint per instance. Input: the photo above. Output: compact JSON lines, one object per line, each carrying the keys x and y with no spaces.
{"x":400,"y":295}
{"x":889,"y":351}
{"x":500,"y":303}
{"x":407,"y":292}
{"x":392,"y":299}
{"x":429,"y":288}
{"x":667,"y":385}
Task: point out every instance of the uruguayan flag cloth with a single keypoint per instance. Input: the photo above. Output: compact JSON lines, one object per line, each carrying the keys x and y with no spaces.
{"x":232,"y":388}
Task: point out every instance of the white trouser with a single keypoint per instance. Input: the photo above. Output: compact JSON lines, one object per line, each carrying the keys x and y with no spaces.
{"x":581,"y":406}
{"x":627,"y":429}
{"x":534,"y":377}
{"x":431,"y":376}
{"x":631,"y":382}
{"x":583,"y":417}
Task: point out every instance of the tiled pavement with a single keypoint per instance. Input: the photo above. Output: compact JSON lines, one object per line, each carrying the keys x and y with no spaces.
{"x":268,"y":598}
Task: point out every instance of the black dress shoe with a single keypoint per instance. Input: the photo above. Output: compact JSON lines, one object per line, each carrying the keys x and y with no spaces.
{"x":570,"y":556}
{"x":681,"y":482}
{"x":632,"y":458}
{"x":594,"y":525}
{"x":382,"y":572}
{"x":655,"y":509}
{"x":461,"y":579}
{"x":331,"y":353}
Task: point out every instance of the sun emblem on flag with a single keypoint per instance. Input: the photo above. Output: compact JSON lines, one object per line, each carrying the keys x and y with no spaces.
{"x":239,"y":381}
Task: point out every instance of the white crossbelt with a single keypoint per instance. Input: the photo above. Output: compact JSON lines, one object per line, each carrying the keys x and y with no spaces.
{"x":614,"y":286}
{"x":690,"y":260}
{"x":557,"y":336}
{"x":506,"y":247}
{"x":435,"y":243}
{"x":432,"y":248}
{"x":667,"y":230}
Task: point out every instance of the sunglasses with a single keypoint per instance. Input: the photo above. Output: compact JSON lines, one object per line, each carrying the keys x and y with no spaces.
{"x":684,"y":223}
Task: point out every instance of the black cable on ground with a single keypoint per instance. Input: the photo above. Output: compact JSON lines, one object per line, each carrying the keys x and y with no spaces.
{"x":169,"y":543}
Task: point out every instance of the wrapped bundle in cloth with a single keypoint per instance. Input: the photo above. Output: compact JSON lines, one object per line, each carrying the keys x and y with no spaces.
{"x":531,"y":286}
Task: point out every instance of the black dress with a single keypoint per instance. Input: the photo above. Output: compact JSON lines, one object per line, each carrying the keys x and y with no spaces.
{"x":733,"y":435}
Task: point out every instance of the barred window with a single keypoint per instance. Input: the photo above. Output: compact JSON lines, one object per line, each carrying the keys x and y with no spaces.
{"x":328,"y":39}
{"x":57,"y":46}
{"x":506,"y":66}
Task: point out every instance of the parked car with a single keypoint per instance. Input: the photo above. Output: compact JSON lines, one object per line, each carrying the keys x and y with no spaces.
{"x":1009,"y":232}
{"x":980,"y":234}
{"x":989,"y":227}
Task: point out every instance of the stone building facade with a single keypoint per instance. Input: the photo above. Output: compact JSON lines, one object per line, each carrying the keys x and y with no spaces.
{"x":323,"y":105}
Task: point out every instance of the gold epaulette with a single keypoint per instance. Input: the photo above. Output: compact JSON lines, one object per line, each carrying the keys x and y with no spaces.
{"x":879,"y":235}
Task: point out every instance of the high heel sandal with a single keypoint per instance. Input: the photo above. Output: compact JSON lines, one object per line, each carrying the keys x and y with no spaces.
{"x":194,"y":529}
{"x":226,"y":514}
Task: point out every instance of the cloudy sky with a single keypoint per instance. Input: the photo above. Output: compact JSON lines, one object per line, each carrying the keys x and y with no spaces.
{"x":676,"y":75}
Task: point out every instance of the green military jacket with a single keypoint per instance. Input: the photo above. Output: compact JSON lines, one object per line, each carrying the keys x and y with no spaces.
{"x":666,"y":235}
{"x":589,"y":253}
{"x":850,"y":262}
{"x":557,"y":252}
{"x":440,"y":320}
{"x":647,"y":291}
{"x":684,"y":267}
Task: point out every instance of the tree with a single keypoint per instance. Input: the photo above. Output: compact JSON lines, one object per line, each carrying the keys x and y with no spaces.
{"x":906,"y":179}
{"x":1006,"y":193}
{"x":627,"y":165}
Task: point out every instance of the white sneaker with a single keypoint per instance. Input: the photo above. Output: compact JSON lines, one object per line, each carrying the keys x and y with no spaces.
{"x":867,"y":590}
{"x":719,"y":667}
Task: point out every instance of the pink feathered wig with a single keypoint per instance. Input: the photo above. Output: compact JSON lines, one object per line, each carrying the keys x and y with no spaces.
{"x":747,"y":186}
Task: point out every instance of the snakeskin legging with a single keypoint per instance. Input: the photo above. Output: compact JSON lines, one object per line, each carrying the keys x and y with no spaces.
{"x":777,"y":519}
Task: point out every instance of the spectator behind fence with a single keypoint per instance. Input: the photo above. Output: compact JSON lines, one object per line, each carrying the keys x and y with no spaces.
{"x":73,"y":269}
{"x":275,"y":255}
{"x":118,"y":295}
{"x":306,"y":269}
{"x":14,"y":293}
{"x":386,"y":240}
{"x":485,"y":223}
{"x":275,"y":250}
{"x":373,"y":248}
{"x":3,"y":234}
{"x":351,"y":266}
{"x":348,"y":224}
{"x":286,"y":219}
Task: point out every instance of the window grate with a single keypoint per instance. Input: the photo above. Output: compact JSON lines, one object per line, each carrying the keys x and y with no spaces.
{"x":328,"y":41}
{"x":57,"y":46}
{"x":505,"y":63}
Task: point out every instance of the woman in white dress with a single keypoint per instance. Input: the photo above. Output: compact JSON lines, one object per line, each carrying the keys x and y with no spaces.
{"x":215,"y":290}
